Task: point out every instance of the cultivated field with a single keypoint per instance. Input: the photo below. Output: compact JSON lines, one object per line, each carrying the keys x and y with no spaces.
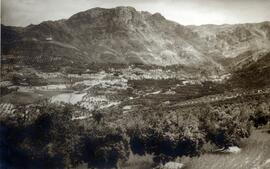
{"x":152,"y":115}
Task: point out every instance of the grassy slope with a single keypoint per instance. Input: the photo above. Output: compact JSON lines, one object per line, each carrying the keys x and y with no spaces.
{"x":255,"y":153}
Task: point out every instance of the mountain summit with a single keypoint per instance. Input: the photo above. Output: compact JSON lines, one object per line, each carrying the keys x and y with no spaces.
{"x":125,"y":35}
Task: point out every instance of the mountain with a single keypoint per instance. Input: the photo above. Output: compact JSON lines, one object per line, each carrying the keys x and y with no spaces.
{"x":124,"y":35}
{"x":230,"y":41}
{"x":253,"y":74}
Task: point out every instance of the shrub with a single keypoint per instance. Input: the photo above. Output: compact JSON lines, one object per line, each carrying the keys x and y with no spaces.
{"x":103,"y":147}
{"x":46,"y":143}
{"x":225,"y":126}
{"x":167,"y":140}
{"x":261,"y":116}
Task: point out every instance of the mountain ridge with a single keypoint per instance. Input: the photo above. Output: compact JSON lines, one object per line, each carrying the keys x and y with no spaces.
{"x":125,"y":35}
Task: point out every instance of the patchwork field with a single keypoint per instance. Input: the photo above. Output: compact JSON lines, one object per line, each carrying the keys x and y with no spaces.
{"x":177,"y":120}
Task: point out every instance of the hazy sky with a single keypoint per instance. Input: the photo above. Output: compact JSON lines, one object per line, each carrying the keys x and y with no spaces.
{"x":186,"y":12}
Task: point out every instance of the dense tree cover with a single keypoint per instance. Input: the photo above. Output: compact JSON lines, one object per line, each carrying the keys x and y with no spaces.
{"x":54,"y":140}
{"x":225,"y":126}
{"x":185,"y":132}
{"x":102,"y":147}
{"x":45,"y":143}
{"x":261,"y":115}
{"x":167,"y":140}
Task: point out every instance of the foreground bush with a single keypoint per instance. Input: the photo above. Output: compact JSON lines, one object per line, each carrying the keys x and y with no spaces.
{"x":225,"y":126}
{"x":45,"y":143}
{"x":167,"y":141}
{"x":185,"y":133}
{"x":103,"y":147}
{"x":54,"y":140}
{"x":261,"y":116}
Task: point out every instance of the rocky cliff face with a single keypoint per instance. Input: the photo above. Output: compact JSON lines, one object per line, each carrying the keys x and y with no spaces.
{"x":124,"y":35}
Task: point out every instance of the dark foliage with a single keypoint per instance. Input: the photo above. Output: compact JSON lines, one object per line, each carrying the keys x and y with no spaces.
{"x":261,"y":116}
{"x":54,"y":140}
{"x":166,"y":141}
{"x":225,"y":126}
{"x":46,"y":143}
{"x":103,"y":147}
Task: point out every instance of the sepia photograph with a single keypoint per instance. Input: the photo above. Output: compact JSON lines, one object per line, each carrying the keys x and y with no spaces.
{"x":135,"y":84}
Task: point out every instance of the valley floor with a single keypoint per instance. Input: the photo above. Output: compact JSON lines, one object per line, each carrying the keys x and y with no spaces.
{"x":138,"y":98}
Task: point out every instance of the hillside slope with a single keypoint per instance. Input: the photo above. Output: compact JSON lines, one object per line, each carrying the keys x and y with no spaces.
{"x":253,"y":74}
{"x":230,"y":41}
{"x":124,"y":35}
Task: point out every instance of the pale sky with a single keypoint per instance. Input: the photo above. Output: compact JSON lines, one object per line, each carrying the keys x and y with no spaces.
{"x":186,"y":12}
